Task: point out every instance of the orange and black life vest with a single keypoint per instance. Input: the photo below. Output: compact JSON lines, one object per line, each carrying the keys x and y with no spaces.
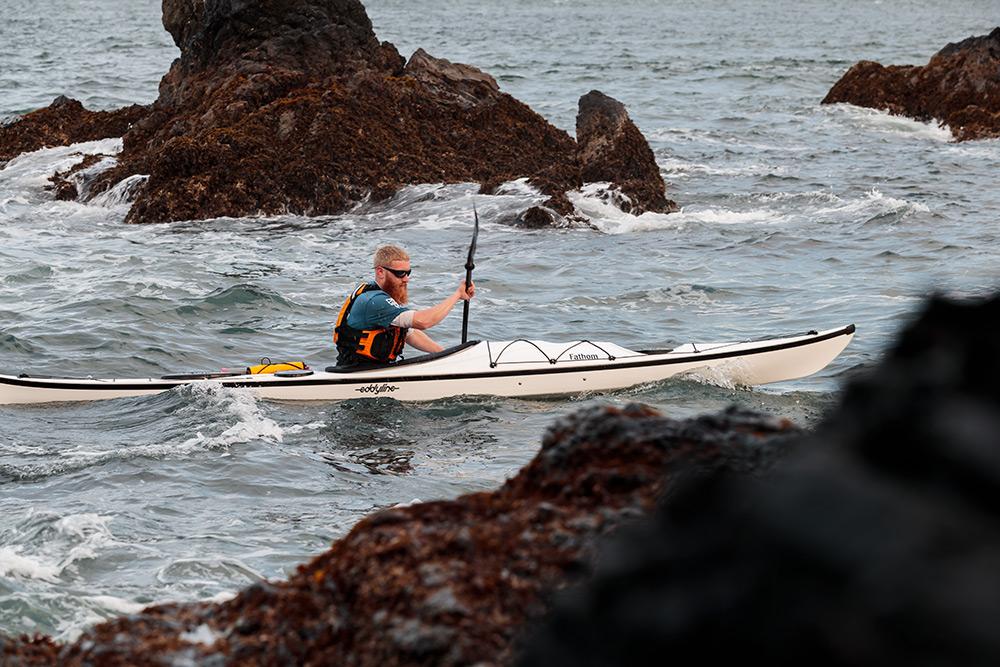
{"x":380,"y":344}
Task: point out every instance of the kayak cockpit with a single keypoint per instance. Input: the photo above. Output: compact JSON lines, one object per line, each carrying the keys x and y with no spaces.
{"x":423,"y":358}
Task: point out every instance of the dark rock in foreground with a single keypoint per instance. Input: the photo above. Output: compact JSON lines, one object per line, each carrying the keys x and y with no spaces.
{"x":293,"y":106}
{"x":449,"y":583}
{"x":876,"y":542}
{"x":959,"y":87}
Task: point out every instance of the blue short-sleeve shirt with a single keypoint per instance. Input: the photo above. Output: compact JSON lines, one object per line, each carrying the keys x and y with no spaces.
{"x":374,"y":309}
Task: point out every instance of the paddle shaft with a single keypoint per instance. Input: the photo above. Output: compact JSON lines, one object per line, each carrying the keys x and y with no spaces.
{"x":469,"y":265}
{"x":465,"y":308}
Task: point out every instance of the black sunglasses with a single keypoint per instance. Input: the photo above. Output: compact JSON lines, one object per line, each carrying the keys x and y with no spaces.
{"x":399,"y":273}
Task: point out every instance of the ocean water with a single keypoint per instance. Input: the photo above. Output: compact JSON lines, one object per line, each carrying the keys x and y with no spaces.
{"x":794,"y":216}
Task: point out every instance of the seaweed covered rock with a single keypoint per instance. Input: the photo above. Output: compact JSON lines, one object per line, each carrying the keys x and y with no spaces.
{"x":959,"y":87}
{"x":63,"y":122}
{"x":449,"y":582}
{"x":874,"y":542}
{"x":294,"y":106}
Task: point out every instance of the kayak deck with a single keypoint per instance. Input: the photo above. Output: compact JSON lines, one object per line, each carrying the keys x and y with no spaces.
{"x":505,"y":368}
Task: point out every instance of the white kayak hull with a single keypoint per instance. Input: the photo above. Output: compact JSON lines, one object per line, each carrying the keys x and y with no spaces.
{"x":511,"y":368}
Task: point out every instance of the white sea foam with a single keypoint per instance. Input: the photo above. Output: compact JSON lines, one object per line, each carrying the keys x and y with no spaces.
{"x":873,"y":202}
{"x":674,"y":168}
{"x":22,"y":449}
{"x":121,"y":193}
{"x":727,"y":375}
{"x":92,"y":529}
{"x":73,"y":538}
{"x":14,"y":564}
{"x":251,"y":423}
{"x":83,"y":178}
{"x":808,"y":197}
{"x":610,"y":220}
{"x":440,"y":207}
{"x":592,"y":201}
{"x":248,"y":423}
{"x":30,"y":172}
{"x":517,"y":188}
{"x":117,"y":605}
{"x":882,"y":121}
{"x":299,"y":428}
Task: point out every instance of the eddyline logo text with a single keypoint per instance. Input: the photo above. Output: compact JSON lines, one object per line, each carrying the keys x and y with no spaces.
{"x":377,"y":389}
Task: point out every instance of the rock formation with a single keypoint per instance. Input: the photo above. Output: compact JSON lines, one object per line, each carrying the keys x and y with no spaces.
{"x":294,"y":106}
{"x":64,"y":122}
{"x":446,"y":583}
{"x":610,"y":149}
{"x":875,"y":542}
{"x":959,"y":87}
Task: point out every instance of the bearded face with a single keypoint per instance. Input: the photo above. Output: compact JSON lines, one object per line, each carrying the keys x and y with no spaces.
{"x":393,"y":285}
{"x":397,"y":289}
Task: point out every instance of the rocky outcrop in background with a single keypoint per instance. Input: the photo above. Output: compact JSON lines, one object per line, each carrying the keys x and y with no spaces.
{"x":293,"y":106}
{"x":64,"y":122}
{"x":959,"y":87}
{"x":445,"y":583}
{"x":874,"y":543}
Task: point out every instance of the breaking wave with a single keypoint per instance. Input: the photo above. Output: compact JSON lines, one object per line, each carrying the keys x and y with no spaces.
{"x":882,"y":121}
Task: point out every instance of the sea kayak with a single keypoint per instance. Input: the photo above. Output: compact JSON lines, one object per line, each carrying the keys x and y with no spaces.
{"x":477,"y":368}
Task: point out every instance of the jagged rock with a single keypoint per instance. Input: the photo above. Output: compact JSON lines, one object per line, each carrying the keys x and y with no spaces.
{"x":293,"y":106}
{"x":874,"y":543}
{"x":959,"y":87}
{"x":611,"y":149}
{"x":63,"y":122}
{"x":452,"y":82}
{"x":451,"y":582}
{"x":274,"y":122}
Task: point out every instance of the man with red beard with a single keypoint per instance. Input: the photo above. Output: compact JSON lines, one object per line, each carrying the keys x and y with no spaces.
{"x":374,"y":323}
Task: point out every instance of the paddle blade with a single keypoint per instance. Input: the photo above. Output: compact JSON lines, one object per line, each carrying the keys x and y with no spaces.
{"x":469,"y":264}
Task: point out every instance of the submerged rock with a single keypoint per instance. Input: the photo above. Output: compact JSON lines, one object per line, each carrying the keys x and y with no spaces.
{"x":293,"y":106}
{"x":451,"y":582}
{"x":875,"y":542}
{"x":959,"y":87}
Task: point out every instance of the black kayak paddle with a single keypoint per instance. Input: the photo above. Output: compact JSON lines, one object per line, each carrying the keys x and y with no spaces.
{"x":469,"y":265}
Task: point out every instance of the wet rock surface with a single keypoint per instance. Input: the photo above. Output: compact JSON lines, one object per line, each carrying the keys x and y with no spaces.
{"x":294,"y":106}
{"x":63,"y":122}
{"x":610,"y":148}
{"x":875,"y":542}
{"x":451,"y":582}
{"x":959,"y":87}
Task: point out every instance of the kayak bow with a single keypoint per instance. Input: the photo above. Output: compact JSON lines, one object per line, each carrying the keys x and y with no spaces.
{"x":508,"y":368}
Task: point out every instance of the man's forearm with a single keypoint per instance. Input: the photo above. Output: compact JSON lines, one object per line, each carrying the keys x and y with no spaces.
{"x":425,"y":319}
{"x":422,"y":341}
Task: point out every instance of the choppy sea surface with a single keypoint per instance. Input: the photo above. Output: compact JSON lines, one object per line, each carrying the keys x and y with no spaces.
{"x":795,"y":216}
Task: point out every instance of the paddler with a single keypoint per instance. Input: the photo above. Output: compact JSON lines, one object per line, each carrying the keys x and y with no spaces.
{"x":375,"y":322}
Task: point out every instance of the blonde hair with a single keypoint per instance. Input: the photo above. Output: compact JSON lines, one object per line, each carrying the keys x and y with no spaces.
{"x":388,"y":254}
